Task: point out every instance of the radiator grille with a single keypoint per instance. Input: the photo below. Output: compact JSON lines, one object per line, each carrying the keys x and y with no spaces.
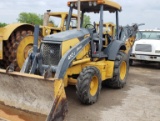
{"x":50,"y":54}
{"x":143,"y":47}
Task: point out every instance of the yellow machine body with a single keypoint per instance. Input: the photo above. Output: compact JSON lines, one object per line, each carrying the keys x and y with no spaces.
{"x":69,"y":57}
{"x":49,"y":28}
{"x":82,"y":60}
{"x":22,"y":35}
{"x":6,"y":32}
{"x":106,"y":67}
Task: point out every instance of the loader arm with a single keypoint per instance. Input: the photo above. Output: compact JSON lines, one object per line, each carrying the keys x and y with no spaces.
{"x":59,"y":103}
{"x":34,"y":61}
{"x":69,"y":57}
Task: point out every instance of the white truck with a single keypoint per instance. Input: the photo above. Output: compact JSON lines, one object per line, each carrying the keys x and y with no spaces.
{"x":146,"y":47}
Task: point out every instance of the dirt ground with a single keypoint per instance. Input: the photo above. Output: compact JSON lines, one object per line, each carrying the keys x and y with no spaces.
{"x":139,"y":100}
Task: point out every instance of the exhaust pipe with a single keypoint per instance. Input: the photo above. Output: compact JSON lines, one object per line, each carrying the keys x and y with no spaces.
{"x":46,"y":18}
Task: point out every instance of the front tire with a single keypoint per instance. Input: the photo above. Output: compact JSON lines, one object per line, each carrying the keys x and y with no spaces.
{"x":120,"y":73}
{"x":89,"y":85}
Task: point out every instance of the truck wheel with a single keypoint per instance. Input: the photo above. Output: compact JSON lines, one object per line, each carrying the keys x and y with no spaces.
{"x":88,"y":85}
{"x":158,"y":65}
{"x":120,"y":73}
{"x":130,"y":62}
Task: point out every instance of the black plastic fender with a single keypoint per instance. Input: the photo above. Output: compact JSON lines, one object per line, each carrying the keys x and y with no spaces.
{"x":113,"y":48}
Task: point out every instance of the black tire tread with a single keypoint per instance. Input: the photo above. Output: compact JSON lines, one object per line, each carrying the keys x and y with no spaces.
{"x":115,"y":82}
{"x":83,"y":83}
{"x":14,"y":41}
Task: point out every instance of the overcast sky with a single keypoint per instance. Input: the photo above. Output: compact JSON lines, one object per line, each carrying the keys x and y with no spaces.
{"x":133,"y":11}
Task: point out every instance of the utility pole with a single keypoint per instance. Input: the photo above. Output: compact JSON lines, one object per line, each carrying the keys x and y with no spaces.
{"x":79,"y":14}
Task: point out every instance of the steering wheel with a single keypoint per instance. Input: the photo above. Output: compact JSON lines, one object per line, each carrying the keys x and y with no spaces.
{"x":91,"y":27}
{"x":88,"y":26}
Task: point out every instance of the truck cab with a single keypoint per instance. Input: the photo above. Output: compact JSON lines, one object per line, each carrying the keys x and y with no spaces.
{"x":147,"y":46}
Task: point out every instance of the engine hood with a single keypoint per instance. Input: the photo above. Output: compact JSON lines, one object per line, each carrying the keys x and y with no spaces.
{"x":67,"y":35}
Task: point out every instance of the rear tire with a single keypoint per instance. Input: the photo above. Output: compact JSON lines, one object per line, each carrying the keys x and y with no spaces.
{"x":120,"y":73}
{"x":89,"y":85}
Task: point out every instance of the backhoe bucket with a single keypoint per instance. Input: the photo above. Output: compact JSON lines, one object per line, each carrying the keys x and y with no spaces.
{"x":27,"y":97}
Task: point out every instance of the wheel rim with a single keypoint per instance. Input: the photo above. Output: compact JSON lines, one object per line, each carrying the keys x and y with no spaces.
{"x":24,"y":47}
{"x":123,"y":70}
{"x":28,"y":50}
{"x":93,"y":85}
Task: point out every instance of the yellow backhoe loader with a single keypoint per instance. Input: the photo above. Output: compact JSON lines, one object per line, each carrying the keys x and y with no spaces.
{"x":108,"y":31}
{"x":77,"y":56}
{"x":16,"y":40}
{"x":108,"y":28}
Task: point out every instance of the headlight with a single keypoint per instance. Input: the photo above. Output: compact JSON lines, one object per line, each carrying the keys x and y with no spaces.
{"x":90,"y":3}
{"x":94,"y":3}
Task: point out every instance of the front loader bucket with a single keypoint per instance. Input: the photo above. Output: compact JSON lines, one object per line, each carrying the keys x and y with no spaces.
{"x":27,"y":97}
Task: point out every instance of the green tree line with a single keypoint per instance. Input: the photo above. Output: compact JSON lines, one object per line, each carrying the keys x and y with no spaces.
{"x":2,"y":24}
{"x":33,"y":18}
